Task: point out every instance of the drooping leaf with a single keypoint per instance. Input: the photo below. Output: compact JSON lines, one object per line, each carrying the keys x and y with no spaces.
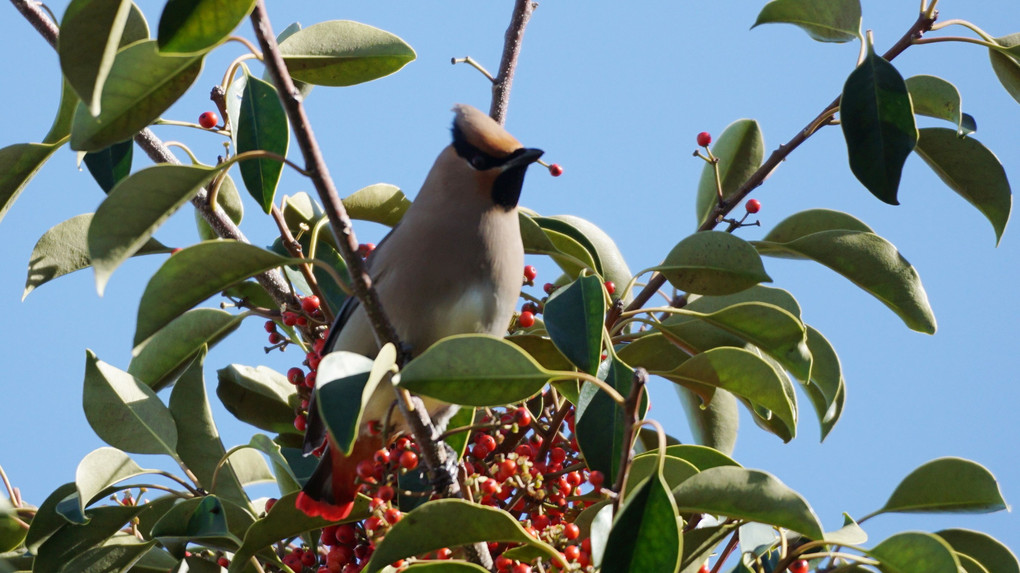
{"x":474,"y":370}
{"x":111,"y":556}
{"x":610,"y":258}
{"x":646,"y":533}
{"x":289,"y":472}
{"x":748,"y":494}
{"x":192,"y":26}
{"x":573,"y":317}
{"x":601,"y":421}
{"x":804,"y":223}
{"x":989,"y":552}
{"x":565,"y":228}
{"x":827,"y":390}
{"x":440,"y":523}
{"x":135,"y":208}
{"x":715,"y":424}
{"x":159,"y":359}
{"x":542,"y":350}
{"x":344,"y":386}
{"x":61,"y":126}
{"x":380,"y":203}
{"x":915,"y":552}
{"x":1007,"y":67}
{"x":18,"y":164}
{"x":831,"y":21}
{"x":343,"y":53}
{"x":701,"y":457}
{"x":111,"y":165}
{"x":878,"y":125}
{"x":90,"y":33}
{"x":946,"y":485}
{"x":970,"y":169}
{"x":229,"y":200}
{"x":870,"y":262}
{"x":260,"y":396}
{"x":653,"y":352}
{"x":849,"y":534}
{"x":47,"y":520}
{"x":64,"y":249}
{"x":73,"y":540}
{"x":935,"y":97}
{"x":193,"y":275}
{"x":740,"y":149}
{"x":141,"y":85}
{"x":124,"y":412}
{"x":674,"y":471}
{"x":208,"y":520}
{"x":713,"y":262}
{"x":261,"y":125}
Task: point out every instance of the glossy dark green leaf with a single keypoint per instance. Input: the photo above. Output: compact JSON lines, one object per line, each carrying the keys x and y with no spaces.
{"x":713,"y":262}
{"x":674,"y":471}
{"x":208,"y":520}
{"x":542,"y":350}
{"x":343,"y":53}
{"x":989,"y":552}
{"x":701,"y":457}
{"x":124,"y":412}
{"x":199,"y":443}
{"x":830,"y":21}
{"x":827,"y":390}
{"x":1007,"y":68}
{"x":971,"y":170}
{"x":61,"y":127}
{"x":18,"y":164}
{"x":646,"y":533}
{"x":111,"y":165}
{"x":606,"y":252}
{"x":190,"y":26}
{"x":601,"y":421}
{"x":915,"y":552}
{"x":72,"y":540}
{"x":117,"y":557}
{"x":440,"y":523}
{"x":752,"y":495}
{"x":141,"y":85}
{"x":229,"y":200}
{"x":475,"y":370}
{"x":135,"y":208}
{"x":935,"y":97}
{"x":90,"y":33}
{"x":804,"y":223}
{"x":381,"y":203}
{"x":261,"y":125}
{"x":878,"y":125}
{"x":47,"y":520}
{"x":702,"y":543}
{"x":870,"y":262}
{"x":946,"y":485}
{"x":567,"y":228}
{"x":344,"y":387}
{"x":740,"y":149}
{"x":573,"y":317}
{"x":159,"y":359}
{"x":193,"y":275}
{"x":260,"y":396}
{"x":64,"y":249}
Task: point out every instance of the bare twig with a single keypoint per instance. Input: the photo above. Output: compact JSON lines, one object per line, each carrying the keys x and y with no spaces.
{"x":294,"y":248}
{"x":631,"y":424}
{"x":508,"y":64}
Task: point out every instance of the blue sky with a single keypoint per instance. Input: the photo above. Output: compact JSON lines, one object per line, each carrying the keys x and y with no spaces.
{"x":616,"y":94}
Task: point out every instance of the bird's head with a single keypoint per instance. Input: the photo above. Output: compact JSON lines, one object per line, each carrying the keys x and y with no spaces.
{"x":496,"y":158}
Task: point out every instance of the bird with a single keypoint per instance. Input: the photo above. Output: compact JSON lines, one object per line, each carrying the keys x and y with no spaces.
{"x":452,"y":265}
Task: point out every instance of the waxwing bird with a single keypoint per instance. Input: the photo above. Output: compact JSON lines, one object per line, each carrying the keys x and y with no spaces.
{"x":453,"y":265}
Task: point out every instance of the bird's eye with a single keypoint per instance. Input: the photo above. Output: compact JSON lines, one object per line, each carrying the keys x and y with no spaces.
{"x":478,"y":162}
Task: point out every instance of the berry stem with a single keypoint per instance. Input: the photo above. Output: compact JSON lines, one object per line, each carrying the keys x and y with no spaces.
{"x":294,"y":248}
{"x":474,"y":64}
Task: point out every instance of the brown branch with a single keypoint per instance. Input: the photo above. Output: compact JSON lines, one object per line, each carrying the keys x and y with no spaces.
{"x":917,"y":29}
{"x":508,"y":65}
{"x":220,"y":222}
{"x":293,"y":247}
{"x":630,"y":427}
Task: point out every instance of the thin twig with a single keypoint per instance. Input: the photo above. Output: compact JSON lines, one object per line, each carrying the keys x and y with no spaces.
{"x":630,"y":425}
{"x":508,"y":64}
{"x":294,"y":248}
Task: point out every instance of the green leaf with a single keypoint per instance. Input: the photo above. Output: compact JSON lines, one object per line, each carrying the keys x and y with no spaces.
{"x":849,"y":534}
{"x":558,"y":225}
{"x":573,"y":317}
{"x":344,"y":387}
{"x":61,"y":127}
{"x":141,"y":85}
{"x":804,"y":223}
{"x":608,"y":255}
{"x":18,"y":164}
{"x":646,"y":533}
{"x":600,"y":420}
{"x":450,"y":566}
{"x":701,"y":543}
{"x":915,"y":552}
{"x":287,"y":477}
{"x":740,"y":150}
{"x":230,"y":201}
{"x":827,"y":391}
{"x":73,"y":540}
{"x":47,"y":520}
{"x":935,"y":97}
{"x":440,"y":523}
{"x":752,"y":495}
{"x":208,"y":520}
{"x":475,"y":370}
{"x":12,"y":533}
{"x":100,"y":469}
{"x":946,"y":485}
{"x":674,"y":471}
{"x":542,"y":350}
{"x":831,"y":21}
{"x":111,"y":165}
{"x":90,"y":34}
{"x":262,"y":125}
{"x":878,"y":124}
{"x":380,"y":203}
{"x":199,"y":443}
{"x":870,"y":262}
{"x":568,"y":253}
{"x":64,"y":249}
{"x":194,"y":26}
{"x":343,"y":53}
{"x":193,"y":275}
{"x":159,"y":359}
{"x":135,"y":208}
{"x":983,"y":548}
{"x":701,"y":457}
{"x":713,"y":262}
{"x":714,"y":424}
{"x":653,"y":352}
{"x":971,"y":170}
{"x":1007,"y":68}
{"x":120,"y":556}
{"x":260,"y":396}
{"x":124,"y":412}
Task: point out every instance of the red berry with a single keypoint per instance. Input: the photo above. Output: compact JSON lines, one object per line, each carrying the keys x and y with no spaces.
{"x":522,"y":567}
{"x":523,"y":416}
{"x":208,"y":119}
{"x":365,"y":469}
{"x":530,"y":273}
{"x":596,"y":479}
{"x":275,"y":338}
{"x":490,"y":486}
{"x":270,"y":326}
{"x":408,"y":460}
{"x":175,"y":250}
{"x":310,"y":304}
{"x":503,"y":564}
{"x":385,"y":493}
{"x":382,"y":456}
{"x":296,"y":376}
{"x":443,"y":553}
{"x":555,"y":170}
{"x":289,"y":318}
{"x":372,"y":524}
{"x":572,"y":552}
{"x":799,"y":566}
{"x":704,"y":139}
{"x":752,"y":206}
{"x":525,"y":451}
{"x":486,"y":440}
{"x":346,"y":534}
{"x":392,"y":515}
{"x":704,"y":569}
{"x":366,"y":249}
{"x":548,"y":288}
{"x":300,"y":422}
{"x":480,"y":451}
{"x":586,"y":545}
{"x":270,"y":503}
{"x":223,"y":562}
{"x":610,"y":287}
{"x":340,"y":554}
{"x":526,"y":319}
{"x":309,"y":559}
{"x":310,"y":380}
{"x":557,"y":455}
{"x":571,"y":531}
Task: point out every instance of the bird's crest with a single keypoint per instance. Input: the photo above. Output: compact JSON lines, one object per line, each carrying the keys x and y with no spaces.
{"x":473,"y":128}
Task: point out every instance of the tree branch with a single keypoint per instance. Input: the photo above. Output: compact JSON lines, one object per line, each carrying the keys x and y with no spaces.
{"x":508,"y":65}
{"x":917,"y":29}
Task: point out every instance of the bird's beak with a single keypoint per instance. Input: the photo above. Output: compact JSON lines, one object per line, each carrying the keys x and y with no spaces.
{"x":523,"y":158}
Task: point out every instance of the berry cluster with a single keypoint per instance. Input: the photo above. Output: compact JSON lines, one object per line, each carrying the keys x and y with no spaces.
{"x":533,"y":307}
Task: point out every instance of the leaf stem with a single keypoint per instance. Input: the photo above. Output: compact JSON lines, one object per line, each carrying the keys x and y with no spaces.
{"x":956,"y":21}
{"x":294,"y":248}
{"x":601,"y":384}
{"x":471,"y":62}
{"x":989,"y":45}
{"x":10,"y":489}
{"x":247,"y":44}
